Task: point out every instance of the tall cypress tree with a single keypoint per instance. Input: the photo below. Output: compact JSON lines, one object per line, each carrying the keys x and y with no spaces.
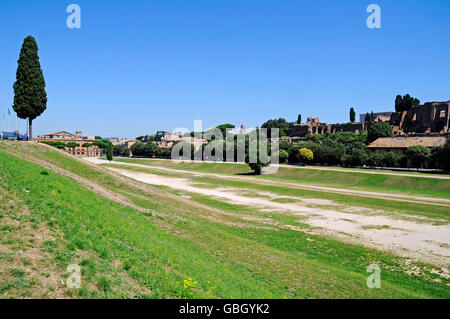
{"x":299,"y":119}
{"x":352,"y":115}
{"x":30,"y":98}
{"x":109,"y":152}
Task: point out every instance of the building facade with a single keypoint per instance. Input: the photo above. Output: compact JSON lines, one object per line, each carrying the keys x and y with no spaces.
{"x":169,"y":140}
{"x":87,"y":151}
{"x":79,"y":150}
{"x":362,"y":117}
{"x":400,"y":144}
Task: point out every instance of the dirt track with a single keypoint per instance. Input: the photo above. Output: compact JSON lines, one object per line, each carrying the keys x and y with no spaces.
{"x":396,"y":197}
{"x":418,"y":239}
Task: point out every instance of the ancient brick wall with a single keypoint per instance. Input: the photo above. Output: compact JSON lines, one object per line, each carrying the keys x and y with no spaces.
{"x":432,"y":117}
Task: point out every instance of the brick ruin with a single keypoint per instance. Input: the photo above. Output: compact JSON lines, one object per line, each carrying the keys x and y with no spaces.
{"x":314,"y":126}
{"x":432,"y":117}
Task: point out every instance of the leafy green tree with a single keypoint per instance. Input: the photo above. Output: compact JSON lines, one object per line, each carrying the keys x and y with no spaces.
{"x":109,"y":152}
{"x":369,"y":119}
{"x":299,"y":119}
{"x":280,"y":123}
{"x":306,"y":155}
{"x":30,"y":98}
{"x":405,"y":103}
{"x":118,"y":149}
{"x":252,"y":147}
{"x":355,"y":157}
{"x":283,"y":156}
{"x":377,"y":130}
{"x":223,"y":128}
{"x":285,"y":145}
{"x":391,"y":159}
{"x":98,"y":137}
{"x":126,"y":152}
{"x":103,"y":144}
{"x":86,"y":144}
{"x":256,"y":167}
{"x":181,"y":146}
{"x":159,"y":135}
{"x":164,"y":152}
{"x":137,"y":149}
{"x":418,"y":155}
{"x":444,"y":155}
{"x":58,"y":144}
{"x":440,"y":155}
{"x":72,"y":144}
{"x":445,"y":159}
{"x":375,"y":159}
{"x":352,"y":115}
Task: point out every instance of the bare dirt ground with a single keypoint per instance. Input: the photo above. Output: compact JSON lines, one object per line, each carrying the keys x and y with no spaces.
{"x":397,"y":197}
{"x":417,"y":239}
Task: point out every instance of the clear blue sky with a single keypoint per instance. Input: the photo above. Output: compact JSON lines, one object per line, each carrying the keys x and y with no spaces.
{"x":138,"y":66}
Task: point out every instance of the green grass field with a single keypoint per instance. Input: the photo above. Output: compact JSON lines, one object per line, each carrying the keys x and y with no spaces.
{"x":171,"y":247}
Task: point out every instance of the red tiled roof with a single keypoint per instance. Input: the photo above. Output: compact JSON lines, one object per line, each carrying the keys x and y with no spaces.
{"x":408,"y":141}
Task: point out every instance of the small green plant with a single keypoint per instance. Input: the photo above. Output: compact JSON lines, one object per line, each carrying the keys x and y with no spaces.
{"x":26,"y":261}
{"x":189,"y":283}
{"x":17,"y":273}
{"x":83,"y":292}
{"x":104,"y":284}
{"x":127,"y":265}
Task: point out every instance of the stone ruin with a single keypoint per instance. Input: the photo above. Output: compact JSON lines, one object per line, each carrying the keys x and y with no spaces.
{"x":432,"y":117}
{"x":314,"y":126}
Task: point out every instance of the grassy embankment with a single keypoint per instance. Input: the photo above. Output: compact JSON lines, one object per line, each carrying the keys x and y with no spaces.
{"x":181,"y":250}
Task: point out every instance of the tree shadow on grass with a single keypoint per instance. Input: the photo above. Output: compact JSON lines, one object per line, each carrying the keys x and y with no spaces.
{"x":248,"y":174}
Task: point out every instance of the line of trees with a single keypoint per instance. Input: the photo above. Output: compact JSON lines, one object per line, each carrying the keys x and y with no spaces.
{"x":104,"y":145}
{"x":342,"y":148}
{"x":121,"y":150}
{"x":149,"y":149}
{"x":405,"y":103}
{"x":349,"y":149}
